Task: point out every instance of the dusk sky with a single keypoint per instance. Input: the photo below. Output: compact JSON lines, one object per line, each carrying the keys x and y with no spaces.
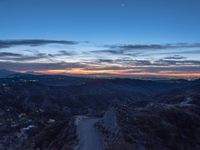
{"x":101,"y":37}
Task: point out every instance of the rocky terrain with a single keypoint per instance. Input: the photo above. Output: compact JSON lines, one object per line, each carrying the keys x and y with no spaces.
{"x":39,"y":112}
{"x":169,"y":124}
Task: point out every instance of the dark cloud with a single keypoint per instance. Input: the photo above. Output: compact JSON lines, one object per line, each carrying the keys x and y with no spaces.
{"x":130,"y":47}
{"x":104,"y":61}
{"x":154,"y":46}
{"x":176,"y":57}
{"x":132,"y":62}
{"x":66,"y":53}
{"x":8,"y":54}
{"x":33,"y":42}
{"x":116,"y":52}
{"x":127,"y":49}
{"x":39,"y":66}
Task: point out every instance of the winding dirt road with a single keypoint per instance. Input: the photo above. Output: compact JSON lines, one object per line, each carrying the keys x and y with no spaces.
{"x":89,"y":136}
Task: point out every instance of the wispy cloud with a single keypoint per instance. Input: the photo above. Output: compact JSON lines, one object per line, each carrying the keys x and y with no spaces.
{"x":39,"y":66}
{"x":109,"y":51}
{"x":125,"y":59}
{"x":8,"y":54}
{"x":153,"y":46}
{"x":155,"y":49}
{"x":65,"y":53}
{"x":175,"y":57}
{"x":33,"y":42}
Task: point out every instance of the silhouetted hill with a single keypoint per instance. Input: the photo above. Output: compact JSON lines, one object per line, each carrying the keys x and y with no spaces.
{"x":6,"y":73}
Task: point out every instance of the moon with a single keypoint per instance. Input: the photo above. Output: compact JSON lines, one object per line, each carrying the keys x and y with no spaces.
{"x":123,"y":5}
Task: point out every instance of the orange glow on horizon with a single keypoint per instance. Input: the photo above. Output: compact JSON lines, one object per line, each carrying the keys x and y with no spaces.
{"x":79,"y":71}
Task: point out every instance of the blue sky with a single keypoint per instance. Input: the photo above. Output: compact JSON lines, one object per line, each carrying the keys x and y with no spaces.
{"x":130,"y":21}
{"x":166,"y":32}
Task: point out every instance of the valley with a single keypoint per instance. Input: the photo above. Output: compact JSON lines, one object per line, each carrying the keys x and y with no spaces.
{"x":72,"y":113}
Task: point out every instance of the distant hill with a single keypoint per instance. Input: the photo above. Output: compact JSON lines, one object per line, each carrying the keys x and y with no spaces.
{"x":6,"y":73}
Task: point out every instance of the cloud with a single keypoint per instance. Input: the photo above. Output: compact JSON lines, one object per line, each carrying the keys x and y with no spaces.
{"x":8,"y":54}
{"x":131,"y":47}
{"x":148,"y":63}
{"x":65,"y":53}
{"x":182,"y":69}
{"x":33,"y":42}
{"x":176,"y":57}
{"x":39,"y":66}
{"x":128,"y":49}
{"x":104,"y":61}
{"x":116,"y":52}
{"x":163,"y":62}
{"x":153,"y":46}
{"x":116,"y":68}
{"x":119,"y":58}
